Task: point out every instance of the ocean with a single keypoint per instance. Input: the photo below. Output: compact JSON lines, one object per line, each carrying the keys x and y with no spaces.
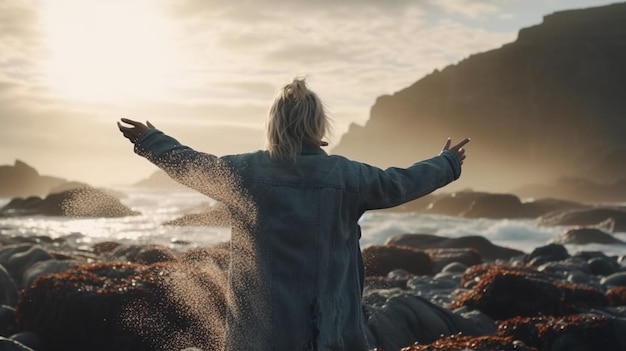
{"x":159,"y":206}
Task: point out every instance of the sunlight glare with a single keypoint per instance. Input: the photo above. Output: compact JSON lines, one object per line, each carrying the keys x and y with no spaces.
{"x":110,"y":50}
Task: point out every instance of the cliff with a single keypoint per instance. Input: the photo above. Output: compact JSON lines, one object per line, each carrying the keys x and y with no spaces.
{"x":549,"y":105}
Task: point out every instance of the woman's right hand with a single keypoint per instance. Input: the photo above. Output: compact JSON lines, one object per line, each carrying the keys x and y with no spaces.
{"x":133,"y":133}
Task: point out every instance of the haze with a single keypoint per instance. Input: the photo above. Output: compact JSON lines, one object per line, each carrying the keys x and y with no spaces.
{"x":205,"y":72}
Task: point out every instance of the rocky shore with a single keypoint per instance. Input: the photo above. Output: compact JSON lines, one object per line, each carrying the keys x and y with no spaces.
{"x":422,"y":293}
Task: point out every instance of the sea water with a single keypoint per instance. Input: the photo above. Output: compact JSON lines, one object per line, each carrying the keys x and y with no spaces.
{"x":159,"y":206}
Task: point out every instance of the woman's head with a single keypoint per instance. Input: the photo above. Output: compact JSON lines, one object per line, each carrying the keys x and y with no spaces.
{"x":296,"y":117}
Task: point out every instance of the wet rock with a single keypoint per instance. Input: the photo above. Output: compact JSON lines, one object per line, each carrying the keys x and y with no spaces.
{"x":443,"y":257}
{"x":615,"y":279}
{"x":617,"y":296}
{"x":594,"y":216}
{"x":46,"y":267}
{"x":127,"y":306}
{"x":584,"y":236}
{"x":105,"y":247}
{"x":602,"y":266}
{"x":7,"y":344}
{"x":504,"y":293}
{"x":406,"y":319}
{"x":83,"y":202}
{"x":471,"y":343}
{"x":153,"y":254}
{"x":8,"y":290}
{"x":548,"y":253}
{"x":455,"y":267}
{"x":379,"y":260}
{"x":495,"y":206}
{"x":8,"y":324}
{"x":589,"y":331}
{"x":484,"y":247}
{"x":19,"y":262}
{"x":29,"y":339}
{"x":454,"y":204}
{"x":210,"y":216}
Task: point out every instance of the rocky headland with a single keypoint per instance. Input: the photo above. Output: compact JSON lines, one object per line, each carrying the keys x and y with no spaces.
{"x":546,"y":106}
{"x":22,"y":180}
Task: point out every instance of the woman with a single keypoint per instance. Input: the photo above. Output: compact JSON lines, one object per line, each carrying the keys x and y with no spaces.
{"x":296,"y":272}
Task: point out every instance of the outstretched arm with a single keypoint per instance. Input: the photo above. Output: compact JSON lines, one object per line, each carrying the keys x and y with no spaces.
{"x":200,"y":171}
{"x":394,"y":186}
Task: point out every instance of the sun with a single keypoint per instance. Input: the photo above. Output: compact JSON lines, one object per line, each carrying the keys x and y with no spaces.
{"x":110,"y":50}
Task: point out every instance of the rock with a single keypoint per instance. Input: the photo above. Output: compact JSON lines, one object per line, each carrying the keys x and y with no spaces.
{"x":454,"y":267}
{"x":213,"y":216}
{"x":602,"y":266}
{"x":496,"y":206}
{"x":584,"y":236}
{"x":577,"y":189}
{"x":379,"y":260}
{"x":442,"y":257}
{"x":617,"y":296}
{"x":83,"y":202}
{"x":406,"y":319}
{"x":530,"y":97}
{"x":615,"y":279}
{"x":20,"y":262}
{"x":454,"y":204}
{"x":541,"y":206}
{"x":46,"y":267}
{"x":29,"y":339}
{"x":12,"y":345}
{"x":22,"y":180}
{"x":504,"y":292}
{"x":579,"y":332}
{"x":548,"y":253}
{"x":8,"y":290}
{"x":485,"y":248}
{"x":153,"y":254}
{"x":127,"y":306}
{"x":8,"y":324}
{"x":588,"y":217}
{"x":469,"y":343}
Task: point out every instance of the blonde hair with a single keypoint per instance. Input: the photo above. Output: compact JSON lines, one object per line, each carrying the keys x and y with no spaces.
{"x":297,"y":116}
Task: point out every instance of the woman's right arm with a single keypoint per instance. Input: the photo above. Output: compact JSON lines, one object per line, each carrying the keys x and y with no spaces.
{"x":200,"y":171}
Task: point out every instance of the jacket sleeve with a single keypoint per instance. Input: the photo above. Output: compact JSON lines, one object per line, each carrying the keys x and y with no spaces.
{"x":395,"y":186}
{"x":200,"y":171}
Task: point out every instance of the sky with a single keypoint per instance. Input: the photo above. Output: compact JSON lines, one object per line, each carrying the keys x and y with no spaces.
{"x":206,"y":71}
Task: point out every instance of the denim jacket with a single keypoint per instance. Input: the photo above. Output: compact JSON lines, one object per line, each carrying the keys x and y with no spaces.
{"x":296,"y":274}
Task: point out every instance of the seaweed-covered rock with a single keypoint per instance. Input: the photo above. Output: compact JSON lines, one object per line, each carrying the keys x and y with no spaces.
{"x":502,"y":294}
{"x":473,"y":343}
{"x":585,"y":332}
{"x":128,"y":306}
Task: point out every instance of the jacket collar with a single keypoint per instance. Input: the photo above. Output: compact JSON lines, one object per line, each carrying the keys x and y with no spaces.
{"x":312,"y":149}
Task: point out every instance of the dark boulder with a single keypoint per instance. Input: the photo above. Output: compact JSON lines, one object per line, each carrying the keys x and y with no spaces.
{"x":83,"y":202}
{"x":379,"y":260}
{"x":584,"y":236}
{"x":496,"y":206}
{"x":484,"y":247}
{"x":592,"y":216}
